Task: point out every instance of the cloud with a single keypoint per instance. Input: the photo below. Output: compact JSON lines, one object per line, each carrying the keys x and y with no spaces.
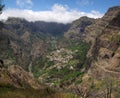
{"x":58,"y":13}
{"x":24,"y":3}
{"x":84,"y":2}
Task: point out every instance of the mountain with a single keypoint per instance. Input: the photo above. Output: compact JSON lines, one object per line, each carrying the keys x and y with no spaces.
{"x":24,"y":41}
{"x":16,"y":82}
{"x":105,"y":40}
{"x":77,"y":28}
{"x":103,"y":58}
{"x":25,"y":45}
{"x":17,"y":77}
{"x":82,"y":57}
{"x":42,"y":27}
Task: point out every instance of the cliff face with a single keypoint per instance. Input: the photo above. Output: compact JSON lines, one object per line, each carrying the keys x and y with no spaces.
{"x":77,"y":29}
{"x":102,"y":77}
{"x":104,"y":37}
{"x":17,"y":77}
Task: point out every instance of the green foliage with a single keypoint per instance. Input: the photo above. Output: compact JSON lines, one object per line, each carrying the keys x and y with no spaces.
{"x":78,"y":81}
{"x":53,"y":71}
{"x":72,"y":75}
{"x":11,"y":92}
{"x":48,"y":63}
{"x":116,"y":38}
{"x":73,"y":62}
{"x":8,"y":54}
{"x":55,"y":75}
{"x":37,"y":66}
{"x":37,"y":71}
{"x":81,"y":51}
{"x":64,"y":74}
{"x":9,"y":57}
{"x":68,"y":95}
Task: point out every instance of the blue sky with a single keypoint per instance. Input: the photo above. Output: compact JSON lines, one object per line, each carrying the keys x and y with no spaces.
{"x":56,"y":9}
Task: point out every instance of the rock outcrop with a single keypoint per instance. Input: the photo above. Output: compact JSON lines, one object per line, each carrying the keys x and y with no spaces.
{"x":24,"y":77}
{"x":104,"y":37}
{"x":18,"y":77}
{"x":77,"y":29}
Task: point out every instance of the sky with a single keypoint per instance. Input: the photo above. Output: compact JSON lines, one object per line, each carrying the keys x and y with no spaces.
{"x":61,"y":11}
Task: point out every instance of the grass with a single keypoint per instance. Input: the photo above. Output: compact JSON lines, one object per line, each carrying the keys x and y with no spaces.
{"x":72,"y":75}
{"x":78,"y":81}
{"x":66,"y":95}
{"x":115,"y":38}
{"x":11,"y":92}
{"x":48,"y":63}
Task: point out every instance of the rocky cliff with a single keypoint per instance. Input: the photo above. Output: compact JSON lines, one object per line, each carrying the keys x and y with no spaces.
{"x":104,"y":37}
{"x":77,"y":29}
{"x":18,"y":77}
{"x":102,"y":72}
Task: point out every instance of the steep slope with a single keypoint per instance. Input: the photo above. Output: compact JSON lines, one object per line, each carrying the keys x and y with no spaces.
{"x":77,"y":29}
{"x":17,"y":77}
{"x":106,"y":43}
{"x":42,"y":27}
{"x":16,"y":82}
{"x":31,"y":44}
{"x":64,"y":64}
{"x":56,"y":61}
{"x":22,"y":41}
{"x":103,"y":59}
{"x":101,"y":78}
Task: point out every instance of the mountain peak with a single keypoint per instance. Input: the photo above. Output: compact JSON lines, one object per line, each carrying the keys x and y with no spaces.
{"x":112,"y":12}
{"x":114,"y":8}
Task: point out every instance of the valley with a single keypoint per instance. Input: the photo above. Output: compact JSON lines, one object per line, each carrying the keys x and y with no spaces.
{"x":54,"y":60}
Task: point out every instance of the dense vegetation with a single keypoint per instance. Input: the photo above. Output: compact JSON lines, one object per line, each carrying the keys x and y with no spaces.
{"x":68,"y":69}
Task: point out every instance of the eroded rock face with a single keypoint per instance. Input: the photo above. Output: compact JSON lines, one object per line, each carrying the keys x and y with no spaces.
{"x":24,"y":77}
{"x":78,"y":27}
{"x":105,"y":49}
{"x":17,"y":77}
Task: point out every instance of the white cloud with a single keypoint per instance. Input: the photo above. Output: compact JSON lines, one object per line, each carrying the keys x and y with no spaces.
{"x":24,"y":3}
{"x":58,"y":13}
